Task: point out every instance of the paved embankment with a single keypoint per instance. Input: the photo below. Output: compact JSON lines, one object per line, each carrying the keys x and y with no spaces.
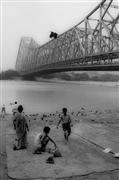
{"x":82,"y":157}
{"x":3,"y":156}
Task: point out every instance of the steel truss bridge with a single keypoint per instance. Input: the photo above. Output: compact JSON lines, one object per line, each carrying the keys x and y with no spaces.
{"x":92,"y":44}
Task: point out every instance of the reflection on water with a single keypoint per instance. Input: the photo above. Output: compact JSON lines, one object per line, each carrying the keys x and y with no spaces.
{"x":46,"y":97}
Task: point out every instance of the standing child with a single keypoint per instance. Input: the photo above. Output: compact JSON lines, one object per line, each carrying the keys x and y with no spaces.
{"x":15,"y":108}
{"x":3,"y":111}
{"x":43,"y":140}
{"x":14,"y":111}
{"x":66,"y":123}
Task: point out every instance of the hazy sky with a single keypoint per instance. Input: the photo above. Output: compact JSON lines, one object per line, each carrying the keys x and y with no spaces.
{"x":36,"y":19}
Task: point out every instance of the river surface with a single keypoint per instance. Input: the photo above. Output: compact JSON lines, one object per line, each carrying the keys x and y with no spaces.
{"x":38,"y":97}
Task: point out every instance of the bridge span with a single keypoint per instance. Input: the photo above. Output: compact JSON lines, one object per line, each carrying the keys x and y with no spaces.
{"x":91,"y":45}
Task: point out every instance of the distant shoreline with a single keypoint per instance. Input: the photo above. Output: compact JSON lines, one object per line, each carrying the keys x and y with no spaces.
{"x":64,"y":76}
{"x":59,"y":80}
{"x":88,"y":82}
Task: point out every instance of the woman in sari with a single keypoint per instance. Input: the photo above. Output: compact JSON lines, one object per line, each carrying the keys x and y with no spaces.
{"x":21,"y":129}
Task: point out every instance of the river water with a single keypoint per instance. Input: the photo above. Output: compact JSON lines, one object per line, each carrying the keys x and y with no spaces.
{"x":38,"y":97}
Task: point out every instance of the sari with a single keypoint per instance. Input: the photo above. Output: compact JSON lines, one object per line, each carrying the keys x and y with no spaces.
{"x":21,"y":130}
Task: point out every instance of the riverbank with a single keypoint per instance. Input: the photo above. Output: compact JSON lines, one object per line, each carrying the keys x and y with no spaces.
{"x":3,"y":155}
{"x":82,"y":157}
{"x":66,"y":76}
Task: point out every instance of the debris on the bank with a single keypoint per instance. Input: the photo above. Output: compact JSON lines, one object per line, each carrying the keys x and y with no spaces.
{"x":57,"y":153}
{"x":107,"y":150}
{"x":116,"y":155}
{"x":50,"y":160}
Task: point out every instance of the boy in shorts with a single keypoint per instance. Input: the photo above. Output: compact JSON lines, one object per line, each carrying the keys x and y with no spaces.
{"x":66,"y":123}
{"x":43,"y":140}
